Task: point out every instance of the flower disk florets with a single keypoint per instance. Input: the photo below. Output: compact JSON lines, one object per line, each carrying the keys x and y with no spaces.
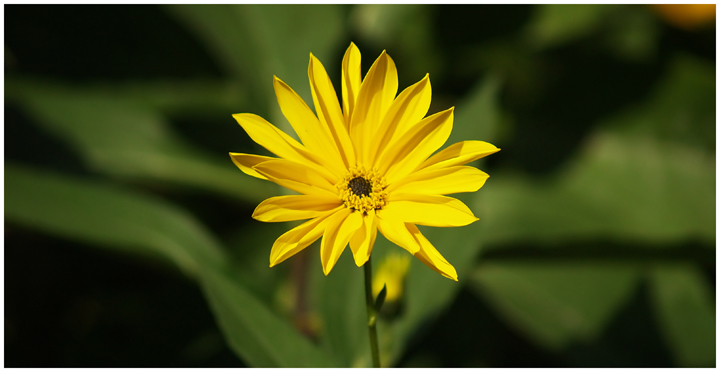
{"x":363,"y":190}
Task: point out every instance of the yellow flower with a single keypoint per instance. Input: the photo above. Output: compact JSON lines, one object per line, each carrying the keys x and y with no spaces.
{"x":363,"y":168}
{"x":687,"y":16}
{"x":391,"y":274}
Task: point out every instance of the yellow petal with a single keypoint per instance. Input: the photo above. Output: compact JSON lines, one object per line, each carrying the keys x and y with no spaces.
{"x":297,"y":239}
{"x":285,"y":169}
{"x":363,"y":241}
{"x":279,"y":143}
{"x":296,"y":177}
{"x":315,"y":136}
{"x":441,"y":181}
{"x":294,"y":207}
{"x":430,"y":256}
{"x":246,"y":162}
{"x":351,"y":79}
{"x":429,"y":210}
{"x":377,"y":93}
{"x":340,"y":228}
{"x":458,"y":154}
{"x":328,"y":109}
{"x":393,"y":228}
{"x":406,"y":110}
{"x":406,"y":153}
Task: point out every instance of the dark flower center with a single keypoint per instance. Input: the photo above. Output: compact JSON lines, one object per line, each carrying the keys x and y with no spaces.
{"x":360,"y":186}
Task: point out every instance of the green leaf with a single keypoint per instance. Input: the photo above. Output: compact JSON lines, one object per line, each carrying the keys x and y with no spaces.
{"x":555,"y":304}
{"x":681,"y":109}
{"x":107,"y":215}
{"x":478,"y":116}
{"x":623,"y":188}
{"x":110,"y":216}
{"x":340,"y":299}
{"x":255,"y":42}
{"x":554,"y":24}
{"x":686,"y":313}
{"x":633,"y":33}
{"x":259,"y":336}
{"x":649,"y":175}
{"x":169,"y":96}
{"x":124,"y":138}
{"x":407,"y":33}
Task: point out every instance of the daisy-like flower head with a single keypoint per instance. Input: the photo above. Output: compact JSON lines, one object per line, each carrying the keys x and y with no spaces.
{"x":364,"y":167}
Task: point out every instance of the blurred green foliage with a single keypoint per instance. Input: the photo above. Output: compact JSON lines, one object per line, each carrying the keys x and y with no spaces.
{"x":603,"y":193}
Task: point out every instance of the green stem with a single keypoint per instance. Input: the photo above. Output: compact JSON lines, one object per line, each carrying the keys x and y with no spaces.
{"x":372,"y":315}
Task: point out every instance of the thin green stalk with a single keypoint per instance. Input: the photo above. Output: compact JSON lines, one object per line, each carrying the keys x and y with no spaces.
{"x":372,"y":315}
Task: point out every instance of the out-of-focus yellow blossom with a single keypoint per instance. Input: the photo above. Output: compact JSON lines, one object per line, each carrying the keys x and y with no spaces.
{"x":687,"y":16}
{"x":391,"y":273}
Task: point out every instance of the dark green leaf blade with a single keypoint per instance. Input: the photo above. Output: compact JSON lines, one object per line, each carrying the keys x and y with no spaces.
{"x":104,"y":214}
{"x":686,"y":313}
{"x":555,"y":304}
{"x":254,"y":42}
{"x":260,"y":337}
{"x":110,"y":216}
{"x":121,"y":137}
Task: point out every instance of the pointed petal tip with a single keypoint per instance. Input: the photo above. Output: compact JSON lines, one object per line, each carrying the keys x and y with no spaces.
{"x":451,"y":274}
{"x":313,"y":61}
{"x":425,"y":80}
{"x":352,"y":49}
{"x":361,"y":262}
{"x":240,"y":115}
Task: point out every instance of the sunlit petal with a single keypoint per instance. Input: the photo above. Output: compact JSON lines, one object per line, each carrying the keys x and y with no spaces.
{"x":315,"y":136}
{"x":393,"y":228}
{"x":409,"y":151}
{"x":295,"y":177}
{"x":351,"y":80}
{"x":441,"y":181}
{"x":279,"y":143}
{"x":328,"y":110}
{"x":429,"y":210}
{"x":363,"y":241}
{"x":430,"y":256}
{"x":338,"y":231}
{"x":246,"y":162}
{"x":458,"y":154}
{"x":294,"y":207}
{"x":377,"y":93}
{"x":297,"y":239}
{"x":406,"y":111}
